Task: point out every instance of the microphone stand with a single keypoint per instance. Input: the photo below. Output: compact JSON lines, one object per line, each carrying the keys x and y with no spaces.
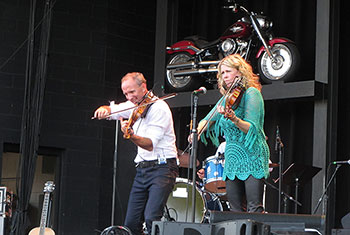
{"x":115,"y":157}
{"x":280,"y":147}
{"x":284,"y":194}
{"x":194,"y":152}
{"x":326,"y":189}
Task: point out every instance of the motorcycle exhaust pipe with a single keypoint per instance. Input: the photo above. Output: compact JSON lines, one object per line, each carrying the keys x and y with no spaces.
{"x":191,"y":64}
{"x":180,"y":65}
{"x":188,"y":72}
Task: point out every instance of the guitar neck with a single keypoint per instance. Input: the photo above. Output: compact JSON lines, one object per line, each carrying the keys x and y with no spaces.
{"x":44,"y":213}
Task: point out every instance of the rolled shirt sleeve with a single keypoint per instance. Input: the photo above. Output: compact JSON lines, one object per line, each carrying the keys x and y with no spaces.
{"x":117,"y":110}
{"x":158,"y":127}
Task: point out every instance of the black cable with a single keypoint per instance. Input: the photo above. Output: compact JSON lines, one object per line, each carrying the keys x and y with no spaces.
{"x":116,"y":230}
{"x":17,"y":223}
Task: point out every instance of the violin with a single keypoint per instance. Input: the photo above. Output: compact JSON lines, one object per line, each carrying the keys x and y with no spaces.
{"x":232,"y":99}
{"x":139,"y":111}
{"x":234,"y":95}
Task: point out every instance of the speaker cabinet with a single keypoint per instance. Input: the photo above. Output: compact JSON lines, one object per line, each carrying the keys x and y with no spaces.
{"x":241,"y":227}
{"x":340,"y":231}
{"x":180,"y":228}
{"x":281,"y":223}
{"x":238,"y":227}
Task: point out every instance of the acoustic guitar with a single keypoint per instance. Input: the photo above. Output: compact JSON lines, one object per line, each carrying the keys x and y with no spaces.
{"x":43,"y":230}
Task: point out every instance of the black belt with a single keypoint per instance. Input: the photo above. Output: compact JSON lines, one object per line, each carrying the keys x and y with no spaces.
{"x":145,"y":164}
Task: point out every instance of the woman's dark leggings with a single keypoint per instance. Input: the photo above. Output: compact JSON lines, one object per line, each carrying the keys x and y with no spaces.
{"x":250,"y":190}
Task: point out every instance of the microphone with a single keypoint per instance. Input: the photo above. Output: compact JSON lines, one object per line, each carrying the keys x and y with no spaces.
{"x":201,"y":90}
{"x":278,"y":137}
{"x":341,"y":162}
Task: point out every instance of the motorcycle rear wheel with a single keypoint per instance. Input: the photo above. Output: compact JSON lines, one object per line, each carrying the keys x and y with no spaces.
{"x":183,"y":83}
{"x":286,"y":65}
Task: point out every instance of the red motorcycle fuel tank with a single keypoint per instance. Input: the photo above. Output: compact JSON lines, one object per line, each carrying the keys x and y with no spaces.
{"x":237,"y":30}
{"x":183,"y":45}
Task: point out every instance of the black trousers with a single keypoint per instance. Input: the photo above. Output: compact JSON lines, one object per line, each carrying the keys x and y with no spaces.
{"x":250,"y":191}
{"x":149,"y":194}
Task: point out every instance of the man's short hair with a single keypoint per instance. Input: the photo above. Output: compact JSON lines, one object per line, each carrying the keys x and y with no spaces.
{"x":136,"y":76}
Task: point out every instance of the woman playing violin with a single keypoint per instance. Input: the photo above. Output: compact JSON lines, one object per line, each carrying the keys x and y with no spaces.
{"x":151,"y":130}
{"x":240,"y":119}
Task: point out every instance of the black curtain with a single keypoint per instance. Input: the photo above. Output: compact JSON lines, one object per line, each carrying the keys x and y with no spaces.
{"x":32,"y":112}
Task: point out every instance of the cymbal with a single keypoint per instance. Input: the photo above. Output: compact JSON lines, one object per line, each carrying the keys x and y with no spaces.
{"x":184,"y":159}
{"x":273,"y":165}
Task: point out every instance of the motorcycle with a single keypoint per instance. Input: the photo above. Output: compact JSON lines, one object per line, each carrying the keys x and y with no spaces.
{"x":194,"y":60}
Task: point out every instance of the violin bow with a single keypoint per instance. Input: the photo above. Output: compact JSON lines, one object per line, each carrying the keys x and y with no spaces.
{"x":136,"y":106}
{"x":200,"y":132}
{"x":225,"y":96}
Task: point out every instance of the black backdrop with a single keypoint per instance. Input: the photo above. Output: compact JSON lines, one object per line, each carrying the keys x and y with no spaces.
{"x":295,"y":20}
{"x":95,"y":42}
{"x":342,"y":206}
{"x":292,"y":19}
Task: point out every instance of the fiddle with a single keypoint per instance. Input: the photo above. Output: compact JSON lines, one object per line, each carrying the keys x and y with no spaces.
{"x":234,"y":96}
{"x":139,"y":111}
{"x":232,"y":99}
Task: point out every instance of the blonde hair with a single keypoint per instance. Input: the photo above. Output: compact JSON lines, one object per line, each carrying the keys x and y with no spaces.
{"x":136,"y":76}
{"x":237,"y":62}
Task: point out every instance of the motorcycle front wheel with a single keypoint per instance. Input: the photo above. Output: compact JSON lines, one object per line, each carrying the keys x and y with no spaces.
{"x":285,"y":65}
{"x":182,"y":83}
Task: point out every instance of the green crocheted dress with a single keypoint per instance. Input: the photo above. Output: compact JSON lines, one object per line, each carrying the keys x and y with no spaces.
{"x":246,"y":153}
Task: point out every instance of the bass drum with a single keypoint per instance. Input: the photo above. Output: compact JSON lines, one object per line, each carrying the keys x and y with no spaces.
{"x":179,"y":204}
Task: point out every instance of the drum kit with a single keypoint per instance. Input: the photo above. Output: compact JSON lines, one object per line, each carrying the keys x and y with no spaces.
{"x":210,"y":195}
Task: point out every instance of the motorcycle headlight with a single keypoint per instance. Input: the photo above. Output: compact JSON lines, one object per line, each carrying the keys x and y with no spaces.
{"x":264,"y":22}
{"x":228,"y":46}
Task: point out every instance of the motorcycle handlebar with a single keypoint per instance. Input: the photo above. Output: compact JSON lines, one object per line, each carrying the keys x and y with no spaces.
{"x":231,"y":5}
{"x":235,"y":7}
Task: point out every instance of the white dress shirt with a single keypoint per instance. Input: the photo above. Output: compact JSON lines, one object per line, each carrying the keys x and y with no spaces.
{"x":157,"y":125}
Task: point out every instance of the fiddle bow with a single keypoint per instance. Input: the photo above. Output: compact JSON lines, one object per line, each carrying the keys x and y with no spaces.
{"x":232,"y":98}
{"x":136,"y":106}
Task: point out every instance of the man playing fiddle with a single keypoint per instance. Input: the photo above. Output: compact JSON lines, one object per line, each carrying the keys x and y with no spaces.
{"x":154,"y":136}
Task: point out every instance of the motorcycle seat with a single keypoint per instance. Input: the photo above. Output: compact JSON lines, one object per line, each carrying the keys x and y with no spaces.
{"x":205,"y":44}
{"x":200,"y":42}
